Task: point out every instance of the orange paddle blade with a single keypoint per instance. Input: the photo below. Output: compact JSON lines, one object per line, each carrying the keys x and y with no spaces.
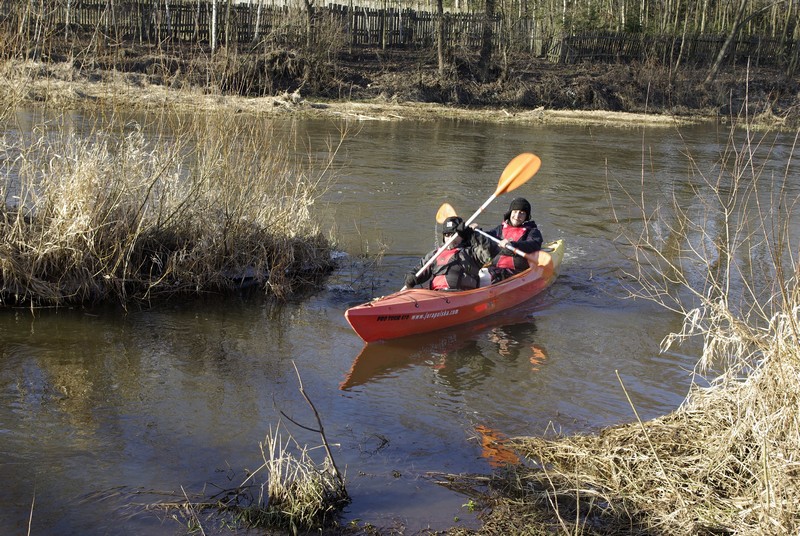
{"x":445,"y":211}
{"x":517,"y":172}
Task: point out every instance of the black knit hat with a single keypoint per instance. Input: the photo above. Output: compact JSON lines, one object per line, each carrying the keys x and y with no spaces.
{"x":519,"y":203}
{"x":450,"y":224}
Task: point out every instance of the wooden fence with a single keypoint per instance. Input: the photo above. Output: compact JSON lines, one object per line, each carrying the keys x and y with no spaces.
{"x":696,"y":50}
{"x":197,"y":21}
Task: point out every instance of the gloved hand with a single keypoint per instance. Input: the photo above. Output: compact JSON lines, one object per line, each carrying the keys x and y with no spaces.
{"x":411,"y":280}
{"x":464,"y":232}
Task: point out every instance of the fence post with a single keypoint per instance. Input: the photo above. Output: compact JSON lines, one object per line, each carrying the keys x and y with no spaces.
{"x":383,"y":26}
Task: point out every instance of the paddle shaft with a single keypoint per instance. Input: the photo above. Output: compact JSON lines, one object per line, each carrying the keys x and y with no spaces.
{"x":508,"y":246}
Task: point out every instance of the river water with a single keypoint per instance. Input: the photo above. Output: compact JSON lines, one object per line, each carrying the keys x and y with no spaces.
{"x":103,"y":412}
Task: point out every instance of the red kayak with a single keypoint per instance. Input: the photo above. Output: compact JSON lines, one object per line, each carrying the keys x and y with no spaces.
{"x":418,"y":310}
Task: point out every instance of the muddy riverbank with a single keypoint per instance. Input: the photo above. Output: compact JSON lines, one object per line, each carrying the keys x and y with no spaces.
{"x":395,"y":85}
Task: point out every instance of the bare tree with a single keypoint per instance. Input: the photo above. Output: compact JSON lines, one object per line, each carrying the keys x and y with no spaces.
{"x":712,"y":73}
{"x":487,"y":40}
{"x":738,"y":21}
{"x":309,"y":5}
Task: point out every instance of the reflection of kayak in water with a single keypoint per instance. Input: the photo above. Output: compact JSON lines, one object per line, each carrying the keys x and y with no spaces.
{"x":493,"y":447}
{"x":383,"y":359}
{"x":414,"y":311}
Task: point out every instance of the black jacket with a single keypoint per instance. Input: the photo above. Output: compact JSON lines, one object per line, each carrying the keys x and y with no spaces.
{"x":531,"y":241}
{"x":462,"y":270}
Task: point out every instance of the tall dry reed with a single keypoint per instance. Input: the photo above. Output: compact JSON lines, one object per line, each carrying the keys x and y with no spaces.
{"x":291,"y":490}
{"x":132,"y":212}
{"x":724,"y":255}
{"x":299,"y":493}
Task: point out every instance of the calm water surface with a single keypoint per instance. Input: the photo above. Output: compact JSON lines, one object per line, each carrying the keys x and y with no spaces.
{"x":102,"y":412}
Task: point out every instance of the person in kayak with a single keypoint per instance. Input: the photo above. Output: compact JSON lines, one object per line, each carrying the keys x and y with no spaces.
{"x":456,"y":268}
{"x":517,"y":230}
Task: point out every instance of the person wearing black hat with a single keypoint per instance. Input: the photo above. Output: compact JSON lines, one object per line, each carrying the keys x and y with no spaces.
{"x":519,"y":231}
{"x":456,"y":268}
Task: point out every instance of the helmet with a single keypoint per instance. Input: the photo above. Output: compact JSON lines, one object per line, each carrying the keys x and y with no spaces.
{"x":451,"y":224}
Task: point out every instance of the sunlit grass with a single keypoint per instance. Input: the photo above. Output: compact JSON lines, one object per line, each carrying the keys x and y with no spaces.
{"x":134,"y":212}
{"x":298,"y":492}
{"x":723,"y":255}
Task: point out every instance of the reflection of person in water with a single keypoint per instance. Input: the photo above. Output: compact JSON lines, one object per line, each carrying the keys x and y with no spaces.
{"x":507,"y":338}
{"x":464,"y":368}
{"x":538,"y":357}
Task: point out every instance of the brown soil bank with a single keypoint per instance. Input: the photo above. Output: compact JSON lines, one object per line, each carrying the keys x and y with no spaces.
{"x":533,"y":84}
{"x":390,"y":84}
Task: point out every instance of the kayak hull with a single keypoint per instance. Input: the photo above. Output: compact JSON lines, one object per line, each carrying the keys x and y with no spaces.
{"x":416,"y":310}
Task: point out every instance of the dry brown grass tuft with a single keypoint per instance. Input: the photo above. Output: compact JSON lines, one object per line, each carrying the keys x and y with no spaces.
{"x":299,"y":493}
{"x":133,"y":212}
{"x":727,"y":461}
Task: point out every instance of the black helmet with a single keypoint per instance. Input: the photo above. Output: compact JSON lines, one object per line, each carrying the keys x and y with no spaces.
{"x":451,"y":224}
{"x":519,"y":203}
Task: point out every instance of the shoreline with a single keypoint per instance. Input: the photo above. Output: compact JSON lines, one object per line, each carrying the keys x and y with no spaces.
{"x":35,"y":84}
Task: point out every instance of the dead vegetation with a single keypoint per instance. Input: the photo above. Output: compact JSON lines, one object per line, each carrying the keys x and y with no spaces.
{"x":293,"y":491}
{"x":136,"y":212}
{"x":726,"y":461}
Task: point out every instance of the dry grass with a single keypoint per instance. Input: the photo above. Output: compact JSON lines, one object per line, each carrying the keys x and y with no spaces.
{"x":299,"y":492}
{"x":727,"y":461}
{"x":291,"y":490}
{"x":132,"y":212}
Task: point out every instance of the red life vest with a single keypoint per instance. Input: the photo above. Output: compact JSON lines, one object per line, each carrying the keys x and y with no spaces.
{"x":442,"y":265}
{"x":512,"y":234}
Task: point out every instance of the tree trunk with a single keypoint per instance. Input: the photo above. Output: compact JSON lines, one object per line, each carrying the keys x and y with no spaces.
{"x":683,"y":40}
{"x":712,"y":73}
{"x":228,"y":24}
{"x":309,"y":41}
{"x":66,"y":22}
{"x":738,"y":22}
{"x":484,"y":62}
{"x":213,"y":25}
{"x":258,"y":21}
{"x":309,"y":24}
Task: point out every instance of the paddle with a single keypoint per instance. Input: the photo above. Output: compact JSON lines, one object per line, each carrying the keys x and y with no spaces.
{"x":447,"y":211}
{"x":521,"y":168}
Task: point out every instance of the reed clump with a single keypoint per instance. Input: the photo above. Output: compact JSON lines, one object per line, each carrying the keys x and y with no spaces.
{"x":292,"y":489}
{"x":179,"y":206}
{"x":300,"y":493}
{"x":726,"y":461}
{"x":291,"y":492}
